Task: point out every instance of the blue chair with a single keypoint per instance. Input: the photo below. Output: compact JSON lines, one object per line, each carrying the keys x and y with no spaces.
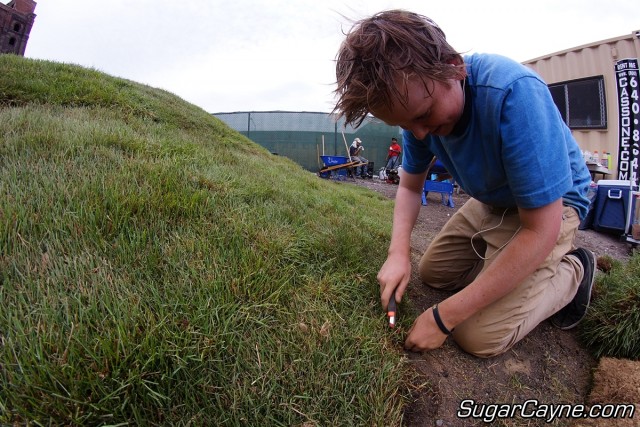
{"x":438,"y":181}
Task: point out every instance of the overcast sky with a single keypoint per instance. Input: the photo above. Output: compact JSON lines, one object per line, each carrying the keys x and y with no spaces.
{"x":263,"y":55}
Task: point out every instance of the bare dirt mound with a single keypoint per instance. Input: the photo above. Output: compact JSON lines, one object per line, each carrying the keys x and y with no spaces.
{"x":549,"y":366}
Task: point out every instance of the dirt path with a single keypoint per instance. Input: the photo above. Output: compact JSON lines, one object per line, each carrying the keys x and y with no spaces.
{"x":549,"y":365}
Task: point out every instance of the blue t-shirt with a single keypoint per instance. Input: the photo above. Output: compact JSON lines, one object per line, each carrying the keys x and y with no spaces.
{"x":511,"y":146}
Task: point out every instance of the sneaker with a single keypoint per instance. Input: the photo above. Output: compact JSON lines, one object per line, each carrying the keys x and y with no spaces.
{"x":571,"y":314}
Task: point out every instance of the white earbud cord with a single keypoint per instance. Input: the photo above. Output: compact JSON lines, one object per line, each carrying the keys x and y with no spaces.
{"x":493,"y":228}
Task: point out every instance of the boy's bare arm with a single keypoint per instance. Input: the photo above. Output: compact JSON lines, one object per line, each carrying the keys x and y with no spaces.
{"x":396,"y":271}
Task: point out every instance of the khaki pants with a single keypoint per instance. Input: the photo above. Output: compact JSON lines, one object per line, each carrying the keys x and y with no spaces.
{"x":450,"y":263}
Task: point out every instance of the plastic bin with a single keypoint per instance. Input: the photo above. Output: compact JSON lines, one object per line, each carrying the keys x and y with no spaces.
{"x":612,"y":206}
{"x":334,"y":160}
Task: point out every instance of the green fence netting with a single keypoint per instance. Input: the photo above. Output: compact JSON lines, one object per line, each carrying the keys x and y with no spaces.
{"x":304,"y":136}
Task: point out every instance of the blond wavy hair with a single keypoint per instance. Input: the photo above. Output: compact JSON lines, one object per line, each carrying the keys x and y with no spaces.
{"x":383,"y":50}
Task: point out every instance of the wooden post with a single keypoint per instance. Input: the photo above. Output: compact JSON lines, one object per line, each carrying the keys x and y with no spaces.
{"x":346,"y":146}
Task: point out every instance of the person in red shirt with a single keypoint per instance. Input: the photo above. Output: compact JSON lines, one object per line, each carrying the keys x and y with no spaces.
{"x":393,"y":157}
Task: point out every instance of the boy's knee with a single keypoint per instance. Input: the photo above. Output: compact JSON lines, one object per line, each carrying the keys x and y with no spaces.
{"x":432,"y":274}
{"x":437,"y":281}
{"x":439,"y":276}
{"x":424,"y":272}
{"x":482,"y":343}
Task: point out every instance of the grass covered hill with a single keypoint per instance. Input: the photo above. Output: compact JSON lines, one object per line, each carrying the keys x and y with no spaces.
{"x":156,"y":267}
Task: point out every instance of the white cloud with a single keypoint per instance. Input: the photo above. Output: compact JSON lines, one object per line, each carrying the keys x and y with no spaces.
{"x":277,"y":54}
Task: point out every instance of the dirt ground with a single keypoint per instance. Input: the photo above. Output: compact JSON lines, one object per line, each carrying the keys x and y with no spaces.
{"x":549,"y":365}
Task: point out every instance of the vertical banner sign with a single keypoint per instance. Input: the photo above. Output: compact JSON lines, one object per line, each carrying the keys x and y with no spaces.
{"x":629,"y":116}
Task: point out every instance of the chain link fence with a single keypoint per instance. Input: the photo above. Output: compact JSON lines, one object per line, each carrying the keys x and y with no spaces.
{"x":305,"y":136}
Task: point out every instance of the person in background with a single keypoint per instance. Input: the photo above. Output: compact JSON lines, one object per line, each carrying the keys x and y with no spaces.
{"x":355,"y":150}
{"x":393,"y":156}
{"x":508,"y":253}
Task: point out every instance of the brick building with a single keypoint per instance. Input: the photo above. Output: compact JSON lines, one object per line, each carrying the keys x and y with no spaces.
{"x":16,"y":20}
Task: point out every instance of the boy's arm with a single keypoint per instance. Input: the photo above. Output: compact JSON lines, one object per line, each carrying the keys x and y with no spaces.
{"x":396,"y":271}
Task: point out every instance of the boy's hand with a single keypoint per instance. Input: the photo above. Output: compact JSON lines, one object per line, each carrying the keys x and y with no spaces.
{"x":424,"y":335}
{"x":394,"y":277}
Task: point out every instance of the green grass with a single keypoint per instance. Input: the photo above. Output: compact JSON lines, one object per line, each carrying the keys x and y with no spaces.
{"x":611,"y":327}
{"x":157,"y":267}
